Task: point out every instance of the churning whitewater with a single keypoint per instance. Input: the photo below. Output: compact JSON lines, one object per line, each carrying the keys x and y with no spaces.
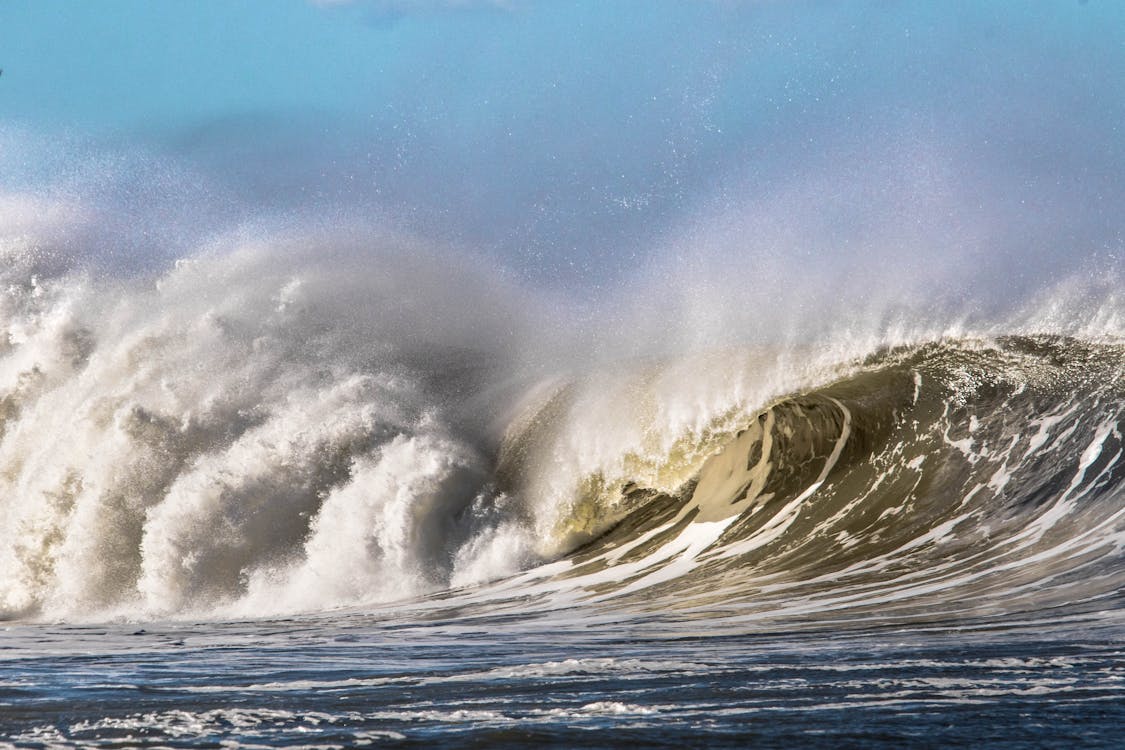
{"x":297,"y":423}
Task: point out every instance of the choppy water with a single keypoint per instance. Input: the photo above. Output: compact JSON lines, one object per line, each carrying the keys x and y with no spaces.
{"x":354,"y":680}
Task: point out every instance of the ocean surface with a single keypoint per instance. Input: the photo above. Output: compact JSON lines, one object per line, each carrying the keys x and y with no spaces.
{"x":578,"y":374}
{"x":352,"y":680}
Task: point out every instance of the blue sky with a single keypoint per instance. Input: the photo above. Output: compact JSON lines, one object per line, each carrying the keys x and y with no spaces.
{"x":567,"y":137}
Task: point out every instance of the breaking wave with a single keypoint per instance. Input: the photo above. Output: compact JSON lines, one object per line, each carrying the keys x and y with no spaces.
{"x":176,"y":441}
{"x":304,"y":422}
{"x":956,"y":478}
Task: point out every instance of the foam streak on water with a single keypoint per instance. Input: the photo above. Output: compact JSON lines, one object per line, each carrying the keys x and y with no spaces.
{"x":352,"y":681}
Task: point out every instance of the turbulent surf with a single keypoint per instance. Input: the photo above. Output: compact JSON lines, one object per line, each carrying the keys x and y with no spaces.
{"x":227,"y":439}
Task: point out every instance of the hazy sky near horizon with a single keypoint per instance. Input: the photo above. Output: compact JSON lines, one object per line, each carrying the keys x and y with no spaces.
{"x":568,"y":136}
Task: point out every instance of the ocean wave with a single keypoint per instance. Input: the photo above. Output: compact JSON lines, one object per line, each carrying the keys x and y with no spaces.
{"x":955,"y":478}
{"x":303,"y":421}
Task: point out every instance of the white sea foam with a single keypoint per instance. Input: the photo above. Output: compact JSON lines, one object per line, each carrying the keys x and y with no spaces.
{"x":259,"y":427}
